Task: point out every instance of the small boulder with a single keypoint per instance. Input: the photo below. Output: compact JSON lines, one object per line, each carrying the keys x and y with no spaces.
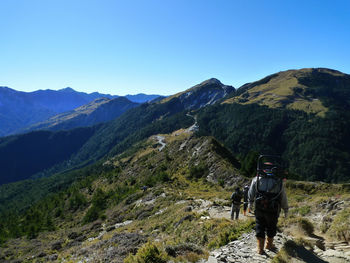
{"x":41,"y":255}
{"x":188,"y":208}
{"x":73,"y":235}
{"x":52,"y":257}
{"x":56,"y":245}
{"x":80,"y":238}
{"x":110,"y":228}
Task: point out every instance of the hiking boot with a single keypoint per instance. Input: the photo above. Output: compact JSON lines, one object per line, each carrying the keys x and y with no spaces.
{"x":244,"y":212}
{"x":261,"y":243}
{"x":270,"y":245}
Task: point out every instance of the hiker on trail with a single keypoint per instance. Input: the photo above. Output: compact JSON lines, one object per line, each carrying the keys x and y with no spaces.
{"x":236,"y":198}
{"x":267,"y":190}
{"x":245,"y":200}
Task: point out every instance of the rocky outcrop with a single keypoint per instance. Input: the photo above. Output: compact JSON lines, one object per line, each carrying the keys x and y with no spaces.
{"x":206,"y":93}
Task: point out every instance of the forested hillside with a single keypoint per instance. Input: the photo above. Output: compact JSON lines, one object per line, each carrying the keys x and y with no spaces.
{"x":23,"y":156}
{"x":316,"y":149}
{"x":302,"y":115}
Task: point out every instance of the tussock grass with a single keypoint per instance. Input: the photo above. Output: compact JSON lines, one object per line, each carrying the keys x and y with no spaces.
{"x":340,"y":228}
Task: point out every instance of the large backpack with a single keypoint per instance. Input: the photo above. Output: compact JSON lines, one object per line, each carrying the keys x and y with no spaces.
{"x":268,"y":200}
{"x":236,"y":197}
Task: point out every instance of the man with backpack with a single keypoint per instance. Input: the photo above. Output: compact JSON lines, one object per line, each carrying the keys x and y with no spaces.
{"x":267,"y":190}
{"x":236,"y":198}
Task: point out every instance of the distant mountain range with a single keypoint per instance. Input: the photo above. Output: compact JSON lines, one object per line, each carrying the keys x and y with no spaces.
{"x":98,"y":193}
{"x":18,"y":109}
{"x":44,"y":150}
{"x":97,"y":111}
{"x":302,"y":115}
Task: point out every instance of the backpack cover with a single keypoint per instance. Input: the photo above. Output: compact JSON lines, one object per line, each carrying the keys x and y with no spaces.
{"x":268,"y":186}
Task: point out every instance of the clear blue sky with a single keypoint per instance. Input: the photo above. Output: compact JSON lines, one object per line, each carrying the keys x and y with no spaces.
{"x":165,"y":46}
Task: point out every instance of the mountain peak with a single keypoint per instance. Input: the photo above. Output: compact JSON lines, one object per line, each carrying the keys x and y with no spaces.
{"x":205,"y":93}
{"x":68,"y":89}
{"x":211,"y":81}
{"x":312,"y":90}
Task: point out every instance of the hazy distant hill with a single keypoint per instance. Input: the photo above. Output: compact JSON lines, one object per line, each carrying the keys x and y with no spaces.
{"x":141,"y":97}
{"x":19,"y":110}
{"x":97,"y":111}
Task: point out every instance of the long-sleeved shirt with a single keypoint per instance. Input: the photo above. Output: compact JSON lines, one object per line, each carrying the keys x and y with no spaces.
{"x":267,"y":184}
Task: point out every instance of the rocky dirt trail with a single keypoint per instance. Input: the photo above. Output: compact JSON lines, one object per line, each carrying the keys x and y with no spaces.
{"x":244,"y":249}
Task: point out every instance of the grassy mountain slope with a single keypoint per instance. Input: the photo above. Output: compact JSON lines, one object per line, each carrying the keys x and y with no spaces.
{"x":188,"y":167}
{"x":97,"y":111}
{"x":313,"y":90}
{"x":106,"y":214}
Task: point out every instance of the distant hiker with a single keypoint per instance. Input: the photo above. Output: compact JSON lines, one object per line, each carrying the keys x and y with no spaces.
{"x":245,"y":200}
{"x":236,"y":198}
{"x":267,"y":190}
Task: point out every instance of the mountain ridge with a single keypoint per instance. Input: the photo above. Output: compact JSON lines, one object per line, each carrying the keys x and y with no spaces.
{"x":98,"y":111}
{"x":19,"y":109}
{"x":119,"y":134}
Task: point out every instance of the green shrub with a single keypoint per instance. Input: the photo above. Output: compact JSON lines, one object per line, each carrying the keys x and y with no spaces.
{"x":304,"y":210}
{"x":198,"y":171}
{"x":306,"y":226}
{"x":76,"y":201}
{"x":91,"y":215}
{"x":99,"y":199}
{"x":148,"y":253}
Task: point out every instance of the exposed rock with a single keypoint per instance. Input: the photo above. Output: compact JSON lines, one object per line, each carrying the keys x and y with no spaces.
{"x":52,"y":257}
{"x":73,"y":235}
{"x":188,"y":209}
{"x":74,"y":243}
{"x":110,"y":228}
{"x":41,"y":255}
{"x":80,"y":238}
{"x":96,"y":225}
{"x":57,"y":245}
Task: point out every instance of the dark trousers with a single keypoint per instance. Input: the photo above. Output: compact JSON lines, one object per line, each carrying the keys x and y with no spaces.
{"x":245,"y":206}
{"x":266,"y":223}
{"x":235,"y":209}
